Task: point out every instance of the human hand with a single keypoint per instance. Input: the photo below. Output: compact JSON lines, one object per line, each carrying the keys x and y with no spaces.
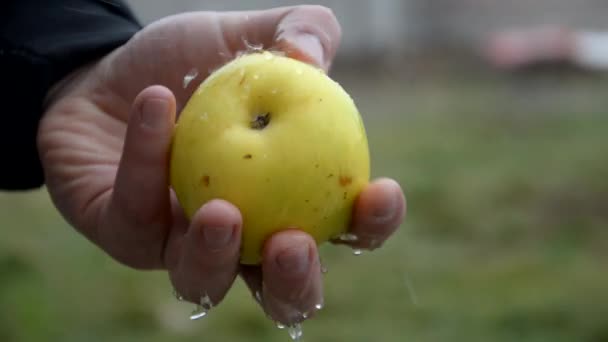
{"x":104,"y":143}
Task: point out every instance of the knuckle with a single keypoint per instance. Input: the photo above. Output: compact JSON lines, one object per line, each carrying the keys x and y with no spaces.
{"x":320,"y":11}
{"x":327,"y":18}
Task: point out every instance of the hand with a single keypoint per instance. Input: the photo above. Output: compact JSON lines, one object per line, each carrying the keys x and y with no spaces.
{"x":105,"y":139}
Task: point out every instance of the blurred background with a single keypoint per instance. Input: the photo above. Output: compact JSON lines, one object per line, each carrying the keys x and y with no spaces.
{"x":493,"y":116}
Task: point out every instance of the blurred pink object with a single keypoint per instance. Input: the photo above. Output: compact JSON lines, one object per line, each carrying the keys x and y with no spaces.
{"x":512,"y":49}
{"x":517,"y":48}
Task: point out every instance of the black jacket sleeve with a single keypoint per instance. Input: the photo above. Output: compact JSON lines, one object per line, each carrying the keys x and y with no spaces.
{"x":40,"y":43}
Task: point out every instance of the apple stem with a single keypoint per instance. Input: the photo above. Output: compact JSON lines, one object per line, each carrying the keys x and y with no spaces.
{"x":260,"y":121}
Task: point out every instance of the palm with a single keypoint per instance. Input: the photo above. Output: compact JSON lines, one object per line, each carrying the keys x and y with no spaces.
{"x":83,"y":137}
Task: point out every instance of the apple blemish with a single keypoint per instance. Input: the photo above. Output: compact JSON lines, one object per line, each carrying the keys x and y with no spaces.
{"x":243,"y":77}
{"x":345,"y":180}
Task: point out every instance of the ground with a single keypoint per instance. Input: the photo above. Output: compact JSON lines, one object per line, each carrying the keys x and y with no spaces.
{"x":505,"y":240}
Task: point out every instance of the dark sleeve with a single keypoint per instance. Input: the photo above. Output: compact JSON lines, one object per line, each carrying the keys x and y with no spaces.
{"x":40,"y":43}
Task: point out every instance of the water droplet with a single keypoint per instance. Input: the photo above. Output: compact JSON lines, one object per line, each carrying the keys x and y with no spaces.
{"x":299,"y":71}
{"x":319,"y":306}
{"x":410,"y":290}
{"x":177,"y":295}
{"x":348,"y":237}
{"x":252,"y":47}
{"x":256,"y":77}
{"x":373,"y":243}
{"x":305,"y":315}
{"x":279,"y":53}
{"x":258,"y":296}
{"x":204,"y":116}
{"x":206,"y":302}
{"x":323,"y":269}
{"x":295,"y":331}
{"x":268,"y":56}
{"x":274,"y":91}
{"x":202,"y":309}
{"x":357,"y":252}
{"x":280,"y":326}
{"x":198,"y":313}
{"x":191,"y":75}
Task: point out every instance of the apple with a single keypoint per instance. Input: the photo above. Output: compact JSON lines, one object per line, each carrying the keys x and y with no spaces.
{"x":279,"y":139}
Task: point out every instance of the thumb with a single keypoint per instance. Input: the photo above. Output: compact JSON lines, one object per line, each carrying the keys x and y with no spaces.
{"x":309,"y":33}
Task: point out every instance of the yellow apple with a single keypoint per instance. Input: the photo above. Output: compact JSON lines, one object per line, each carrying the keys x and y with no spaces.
{"x":277,"y":138}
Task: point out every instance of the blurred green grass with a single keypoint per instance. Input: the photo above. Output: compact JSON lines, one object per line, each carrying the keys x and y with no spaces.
{"x":506,"y":237}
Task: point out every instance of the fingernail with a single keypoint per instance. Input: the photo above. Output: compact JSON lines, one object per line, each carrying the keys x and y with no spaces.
{"x":310,"y":45}
{"x":294,"y":260}
{"x":217,"y":237}
{"x":154,"y":113}
{"x":385,"y":210}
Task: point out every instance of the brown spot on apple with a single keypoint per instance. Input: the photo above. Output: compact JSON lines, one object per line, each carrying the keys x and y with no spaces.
{"x":345,"y":180}
{"x":205,"y":180}
{"x":248,"y":156}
